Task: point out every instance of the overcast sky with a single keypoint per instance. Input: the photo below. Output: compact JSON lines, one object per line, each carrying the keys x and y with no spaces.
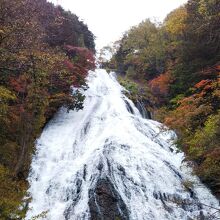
{"x":109,"y":19}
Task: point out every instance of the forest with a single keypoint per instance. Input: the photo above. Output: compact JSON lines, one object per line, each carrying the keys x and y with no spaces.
{"x":45,"y":51}
{"x":174,"y":68}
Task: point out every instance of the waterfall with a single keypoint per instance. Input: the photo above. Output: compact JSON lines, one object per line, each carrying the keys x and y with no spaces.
{"x":142,"y":110}
{"x":108,"y":162}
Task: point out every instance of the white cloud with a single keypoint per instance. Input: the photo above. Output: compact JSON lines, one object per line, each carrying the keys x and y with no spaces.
{"x":109,"y":19}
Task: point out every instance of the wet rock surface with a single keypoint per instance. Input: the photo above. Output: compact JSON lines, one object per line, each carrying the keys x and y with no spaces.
{"x":145,"y":113}
{"x":105,"y":203}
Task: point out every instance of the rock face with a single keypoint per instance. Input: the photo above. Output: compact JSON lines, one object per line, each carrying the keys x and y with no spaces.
{"x":105,"y":203}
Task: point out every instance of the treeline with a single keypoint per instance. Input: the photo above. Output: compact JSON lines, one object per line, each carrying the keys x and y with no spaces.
{"x":44,"y":51}
{"x":177,"y":65}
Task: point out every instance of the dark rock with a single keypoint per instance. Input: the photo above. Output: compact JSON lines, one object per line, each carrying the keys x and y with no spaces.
{"x":121,"y":169}
{"x":84,"y":172}
{"x":100,"y":167}
{"x":155,"y":195}
{"x":78,"y":185}
{"x":128,"y":106}
{"x":105,"y":203}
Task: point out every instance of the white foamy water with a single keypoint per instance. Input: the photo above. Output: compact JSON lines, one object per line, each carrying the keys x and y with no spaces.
{"x":135,"y":154}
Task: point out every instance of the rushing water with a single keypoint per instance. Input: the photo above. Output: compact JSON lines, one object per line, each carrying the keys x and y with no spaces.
{"x":110,"y":140}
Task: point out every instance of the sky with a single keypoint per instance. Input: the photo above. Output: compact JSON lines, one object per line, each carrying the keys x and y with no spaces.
{"x":109,"y":19}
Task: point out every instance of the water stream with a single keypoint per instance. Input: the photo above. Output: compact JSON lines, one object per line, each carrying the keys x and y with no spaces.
{"x":109,"y":141}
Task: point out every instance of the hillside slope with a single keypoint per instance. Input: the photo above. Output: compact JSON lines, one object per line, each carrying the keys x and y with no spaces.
{"x":44,"y":51}
{"x":174,"y":69}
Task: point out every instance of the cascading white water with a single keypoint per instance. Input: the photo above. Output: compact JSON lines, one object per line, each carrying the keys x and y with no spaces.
{"x":110,"y":139}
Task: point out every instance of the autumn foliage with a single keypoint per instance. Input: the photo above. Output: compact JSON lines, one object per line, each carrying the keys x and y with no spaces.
{"x":178,"y":60}
{"x":39,"y":66}
{"x":160,"y":86}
